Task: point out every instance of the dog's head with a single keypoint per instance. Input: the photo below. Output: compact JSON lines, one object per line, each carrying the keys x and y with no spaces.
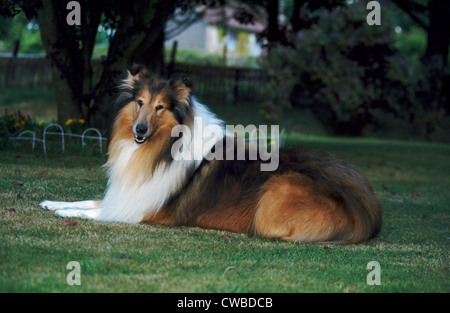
{"x":155,"y":103}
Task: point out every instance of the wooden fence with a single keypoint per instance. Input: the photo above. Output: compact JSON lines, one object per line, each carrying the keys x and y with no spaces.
{"x":230,"y":84}
{"x":25,"y":73}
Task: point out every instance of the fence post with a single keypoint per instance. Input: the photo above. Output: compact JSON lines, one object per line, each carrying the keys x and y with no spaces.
{"x":10,"y":68}
{"x":173,"y":56}
{"x":99,"y":137}
{"x":45,"y":132}
{"x":235,"y":89}
{"x":28,"y":132}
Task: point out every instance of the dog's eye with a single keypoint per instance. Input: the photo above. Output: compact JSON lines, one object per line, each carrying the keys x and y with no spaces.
{"x":159,"y":107}
{"x":140,"y":102}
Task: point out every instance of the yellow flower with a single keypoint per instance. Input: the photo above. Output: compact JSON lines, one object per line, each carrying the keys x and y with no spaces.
{"x":81,"y":121}
{"x":41,"y":122}
{"x":18,"y":125}
{"x":69,"y":121}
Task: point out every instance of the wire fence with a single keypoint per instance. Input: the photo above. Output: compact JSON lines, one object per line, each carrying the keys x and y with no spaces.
{"x":61,"y":133}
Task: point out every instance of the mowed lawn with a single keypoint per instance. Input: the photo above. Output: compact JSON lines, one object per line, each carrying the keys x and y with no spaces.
{"x":411,"y":180}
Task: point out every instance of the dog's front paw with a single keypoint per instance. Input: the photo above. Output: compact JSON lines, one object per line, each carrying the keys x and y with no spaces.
{"x":52,"y":205}
{"x":69,"y":213}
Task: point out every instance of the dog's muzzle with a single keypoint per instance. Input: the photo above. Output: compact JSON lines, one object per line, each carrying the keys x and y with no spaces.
{"x":141,"y":133}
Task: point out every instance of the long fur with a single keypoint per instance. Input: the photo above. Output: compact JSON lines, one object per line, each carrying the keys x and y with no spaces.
{"x":311,"y":197}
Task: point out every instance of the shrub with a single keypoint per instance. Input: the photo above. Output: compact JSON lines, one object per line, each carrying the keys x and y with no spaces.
{"x":349,"y":75}
{"x":13,"y":124}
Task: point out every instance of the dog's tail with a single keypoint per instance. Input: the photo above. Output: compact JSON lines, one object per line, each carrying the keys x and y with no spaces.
{"x":322,"y":199}
{"x":351,"y":192}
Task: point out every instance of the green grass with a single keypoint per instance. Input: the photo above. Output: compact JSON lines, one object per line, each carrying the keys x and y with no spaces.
{"x":410,"y":179}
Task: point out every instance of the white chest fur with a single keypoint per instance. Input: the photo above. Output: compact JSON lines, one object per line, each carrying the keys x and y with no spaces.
{"x":130,"y":200}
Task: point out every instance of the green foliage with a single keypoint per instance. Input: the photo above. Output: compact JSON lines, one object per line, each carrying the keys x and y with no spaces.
{"x":12,"y":124}
{"x":349,"y":74}
{"x":411,"y":44}
{"x":19,"y":28}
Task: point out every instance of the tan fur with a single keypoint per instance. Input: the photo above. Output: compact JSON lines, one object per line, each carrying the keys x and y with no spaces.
{"x":236,"y":218}
{"x":292,"y":210}
{"x":162,"y":217}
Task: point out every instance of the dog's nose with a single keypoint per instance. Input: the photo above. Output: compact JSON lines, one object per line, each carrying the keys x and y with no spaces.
{"x":141,"y":128}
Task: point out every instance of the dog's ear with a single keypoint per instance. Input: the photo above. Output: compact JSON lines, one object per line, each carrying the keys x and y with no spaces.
{"x":181,"y":93}
{"x":182,"y":88}
{"x":134,"y":74}
{"x":139,"y":72}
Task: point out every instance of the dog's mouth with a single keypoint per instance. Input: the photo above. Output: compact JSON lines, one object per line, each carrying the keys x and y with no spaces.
{"x":140,"y":139}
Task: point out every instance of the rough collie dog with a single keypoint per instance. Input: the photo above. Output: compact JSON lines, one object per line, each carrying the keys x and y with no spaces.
{"x":311,"y":196}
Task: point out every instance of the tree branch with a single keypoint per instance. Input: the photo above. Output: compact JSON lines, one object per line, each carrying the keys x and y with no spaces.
{"x":413,"y":6}
{"x":181,"y":25}
{"x":409,"y":7}
{"x":91,"y":16}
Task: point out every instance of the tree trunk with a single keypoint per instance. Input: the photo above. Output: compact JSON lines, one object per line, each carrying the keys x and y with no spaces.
{"x":139,"y":39}
{"x":296,"y":20}
{"x":69,"y":49}
{"x":153,"y":56}
{"x":436,"y":53}
{"x":273,"y":30}
{"x":438,"y":31}
{"x":64,"y":72}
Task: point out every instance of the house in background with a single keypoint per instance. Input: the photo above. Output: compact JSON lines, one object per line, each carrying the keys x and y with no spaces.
{"x":217,"y":31}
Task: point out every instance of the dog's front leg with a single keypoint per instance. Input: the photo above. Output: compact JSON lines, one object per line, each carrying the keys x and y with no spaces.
{"x":84,"y":209}
{"x":60,"y":205}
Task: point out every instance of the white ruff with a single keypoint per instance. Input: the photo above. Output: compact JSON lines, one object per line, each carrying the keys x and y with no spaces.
{"x":131,"y":202}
